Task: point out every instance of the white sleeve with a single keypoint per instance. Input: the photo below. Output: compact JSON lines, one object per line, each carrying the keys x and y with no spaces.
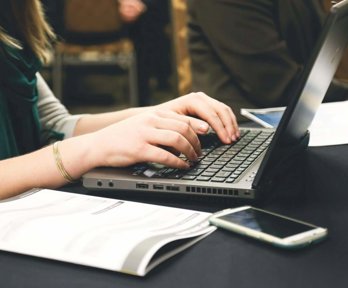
{"x":54,"y":117}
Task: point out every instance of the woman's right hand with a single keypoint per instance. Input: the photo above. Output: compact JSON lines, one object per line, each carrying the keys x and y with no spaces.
{"x":147,"y":137}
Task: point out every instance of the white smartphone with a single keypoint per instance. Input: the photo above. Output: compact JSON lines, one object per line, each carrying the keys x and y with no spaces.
{"x":270,"y":227}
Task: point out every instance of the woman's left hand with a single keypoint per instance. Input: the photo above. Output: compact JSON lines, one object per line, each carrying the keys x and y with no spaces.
{"x":218,"y":115}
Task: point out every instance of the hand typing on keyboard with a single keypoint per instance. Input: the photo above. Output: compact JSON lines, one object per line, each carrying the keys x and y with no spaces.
{"x":218,"y":162}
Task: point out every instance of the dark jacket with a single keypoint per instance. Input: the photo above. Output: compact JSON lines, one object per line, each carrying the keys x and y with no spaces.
{"x":248,"y":53}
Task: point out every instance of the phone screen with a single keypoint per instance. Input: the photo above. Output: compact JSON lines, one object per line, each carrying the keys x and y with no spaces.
{"x":271,"y":118}
{"x":266,"y":223}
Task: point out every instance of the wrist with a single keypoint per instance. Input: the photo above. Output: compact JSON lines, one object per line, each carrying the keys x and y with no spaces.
{"x":93,"y":151}
{"x":59,"y":164}
{"x":78,"y":156}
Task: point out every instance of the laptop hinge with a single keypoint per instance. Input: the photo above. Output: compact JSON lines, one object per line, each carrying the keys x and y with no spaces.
{"x":281,"y":169}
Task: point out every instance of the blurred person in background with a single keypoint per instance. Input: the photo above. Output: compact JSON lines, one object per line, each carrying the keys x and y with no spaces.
{"x":248,"y":53}
{"x":147,"y":20}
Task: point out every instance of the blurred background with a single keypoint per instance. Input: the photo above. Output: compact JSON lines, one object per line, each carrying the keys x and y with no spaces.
{"x":113,"y":54}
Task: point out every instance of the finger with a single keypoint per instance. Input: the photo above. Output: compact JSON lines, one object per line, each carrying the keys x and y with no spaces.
{"x":235,"y":123}
{"x":219,"y":116}
{"x":181,"y":126}
{"x":228,"y":119}
{"x":171,"y":150}
{"x":198,"y":125}
{"x":174,"y":140}
{"x":208,"y":114}
{"x":226,"y":115}
{"x":161,"y":156}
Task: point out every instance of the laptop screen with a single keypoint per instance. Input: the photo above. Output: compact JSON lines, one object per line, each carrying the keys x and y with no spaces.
{"x":309,"y":91}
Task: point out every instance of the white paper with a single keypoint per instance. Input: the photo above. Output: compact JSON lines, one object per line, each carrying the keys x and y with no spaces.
{"x":330,"y":125}
{"x":100,"y":232}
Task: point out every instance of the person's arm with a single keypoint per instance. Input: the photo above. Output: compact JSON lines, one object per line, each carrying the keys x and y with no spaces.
{"x":140,"y":138}
{"x":219,"y":116}
{"x":55,"y":117}
{"x":38,"y":169}
{"x":94,"y":122}
{"x":137,"y":139}
{"x":52,"y":113}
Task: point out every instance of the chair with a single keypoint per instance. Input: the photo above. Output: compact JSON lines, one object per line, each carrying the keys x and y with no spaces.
{"x":93,"y":35}
{"x":182,"y":58}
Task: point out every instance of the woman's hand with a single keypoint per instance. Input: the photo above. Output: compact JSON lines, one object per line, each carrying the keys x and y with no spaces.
{"x":164,"y":131}
{"x":218,"y":115}
{"x":147,"y":137}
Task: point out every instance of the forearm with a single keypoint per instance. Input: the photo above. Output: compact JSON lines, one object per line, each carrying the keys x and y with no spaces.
{"x":54,"y":115}
{"x":91,"y":123}
{"x":39,"y":169}
{"x":133,"y":140}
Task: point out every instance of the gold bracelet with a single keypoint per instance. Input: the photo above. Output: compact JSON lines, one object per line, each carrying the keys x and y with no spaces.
{"x":60,"y":165}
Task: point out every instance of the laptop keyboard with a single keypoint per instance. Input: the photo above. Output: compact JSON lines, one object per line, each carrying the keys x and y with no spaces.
{"x":218,"y":162}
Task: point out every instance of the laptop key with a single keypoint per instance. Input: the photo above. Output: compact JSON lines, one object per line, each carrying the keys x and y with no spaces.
{"x":222,"y":174}
{"x":217,"y":179}
{"x":188,"y":177}
{"x":202,"y":166}
{"x":212,"y":169}
{"x":195,"y":171}
{"x":226,"y":169}
{"x":176,"y":175}
{"x":203,"y":178}
{"x":208,"y":174}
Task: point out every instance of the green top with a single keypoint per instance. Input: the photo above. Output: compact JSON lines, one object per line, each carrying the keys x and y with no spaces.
{"x":19,"y":117}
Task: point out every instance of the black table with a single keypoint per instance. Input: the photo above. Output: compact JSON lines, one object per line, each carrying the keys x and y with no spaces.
{"x":224,"y":259}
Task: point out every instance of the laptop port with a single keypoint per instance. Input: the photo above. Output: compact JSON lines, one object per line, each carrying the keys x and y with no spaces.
{"x":172,"y":188}
{"x":158,"y":187}
{"x":142,"y":186}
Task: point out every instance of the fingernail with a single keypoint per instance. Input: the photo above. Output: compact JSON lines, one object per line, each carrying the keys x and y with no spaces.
{"x":203,"y":127}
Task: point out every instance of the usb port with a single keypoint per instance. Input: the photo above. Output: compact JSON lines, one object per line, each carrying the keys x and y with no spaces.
{"x":142,"y":186}
{"x":172,"y":188}
{"x":158,"y":187}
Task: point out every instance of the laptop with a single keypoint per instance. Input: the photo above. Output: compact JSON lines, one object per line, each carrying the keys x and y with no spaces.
{"x":246,"y":169}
